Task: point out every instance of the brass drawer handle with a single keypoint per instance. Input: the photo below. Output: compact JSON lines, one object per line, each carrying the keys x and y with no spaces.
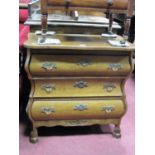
{"x":108,"y":109}
{"x":81,"y":84}
{"x":109,"y":87}
{"x":48,"y":87}
{"x":49,"y":66}
{"x":115,"y":67}
{"x":84,"y":63}
{"x":80,"y":107}
{"x":47,"y":110}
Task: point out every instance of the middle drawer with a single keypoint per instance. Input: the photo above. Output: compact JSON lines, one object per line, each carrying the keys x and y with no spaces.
{"x":78,"y":87}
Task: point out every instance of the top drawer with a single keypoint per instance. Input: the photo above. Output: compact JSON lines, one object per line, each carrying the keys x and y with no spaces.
{"x":78,"y":65}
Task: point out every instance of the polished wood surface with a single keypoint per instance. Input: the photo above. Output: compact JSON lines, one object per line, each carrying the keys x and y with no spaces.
{"x":103,"y":4}
{"x":81,"y":109}
{"x":78,"y":65}
{"x":78,"y":42}
{"x":81,"y":80}
{"x":77,"y":82}
{"x":77,"y":87}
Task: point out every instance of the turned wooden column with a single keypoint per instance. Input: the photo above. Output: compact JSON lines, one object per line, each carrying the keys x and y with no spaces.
{"x":44,"y":16}
{"x":127,"y":21}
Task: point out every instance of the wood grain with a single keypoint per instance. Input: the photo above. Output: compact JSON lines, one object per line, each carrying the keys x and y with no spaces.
{"x":79,"y":65}
{"x":78,"y":42}
{"x":96,"y":87}
{"x":66,"y":110}
{"x":117,"y":4}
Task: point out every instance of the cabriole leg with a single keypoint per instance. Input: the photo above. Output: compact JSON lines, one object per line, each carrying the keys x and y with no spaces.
{"x":34,"y":135}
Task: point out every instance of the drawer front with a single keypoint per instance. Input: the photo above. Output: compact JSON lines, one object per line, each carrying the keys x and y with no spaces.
{"x":77,"y":88}
{"x":84,"y":65}
{"x":48,"y":110}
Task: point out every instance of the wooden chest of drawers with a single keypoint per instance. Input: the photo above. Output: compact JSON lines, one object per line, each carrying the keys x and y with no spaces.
{"x":77,"y":82}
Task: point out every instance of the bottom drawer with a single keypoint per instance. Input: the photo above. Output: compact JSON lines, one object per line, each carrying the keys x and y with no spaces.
{"x":81,"y":109}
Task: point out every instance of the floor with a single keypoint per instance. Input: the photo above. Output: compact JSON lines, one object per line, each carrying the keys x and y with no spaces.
{"x":84,"y":140}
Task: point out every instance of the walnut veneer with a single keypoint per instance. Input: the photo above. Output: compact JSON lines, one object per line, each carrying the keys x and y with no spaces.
{"x":79,"y":82}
